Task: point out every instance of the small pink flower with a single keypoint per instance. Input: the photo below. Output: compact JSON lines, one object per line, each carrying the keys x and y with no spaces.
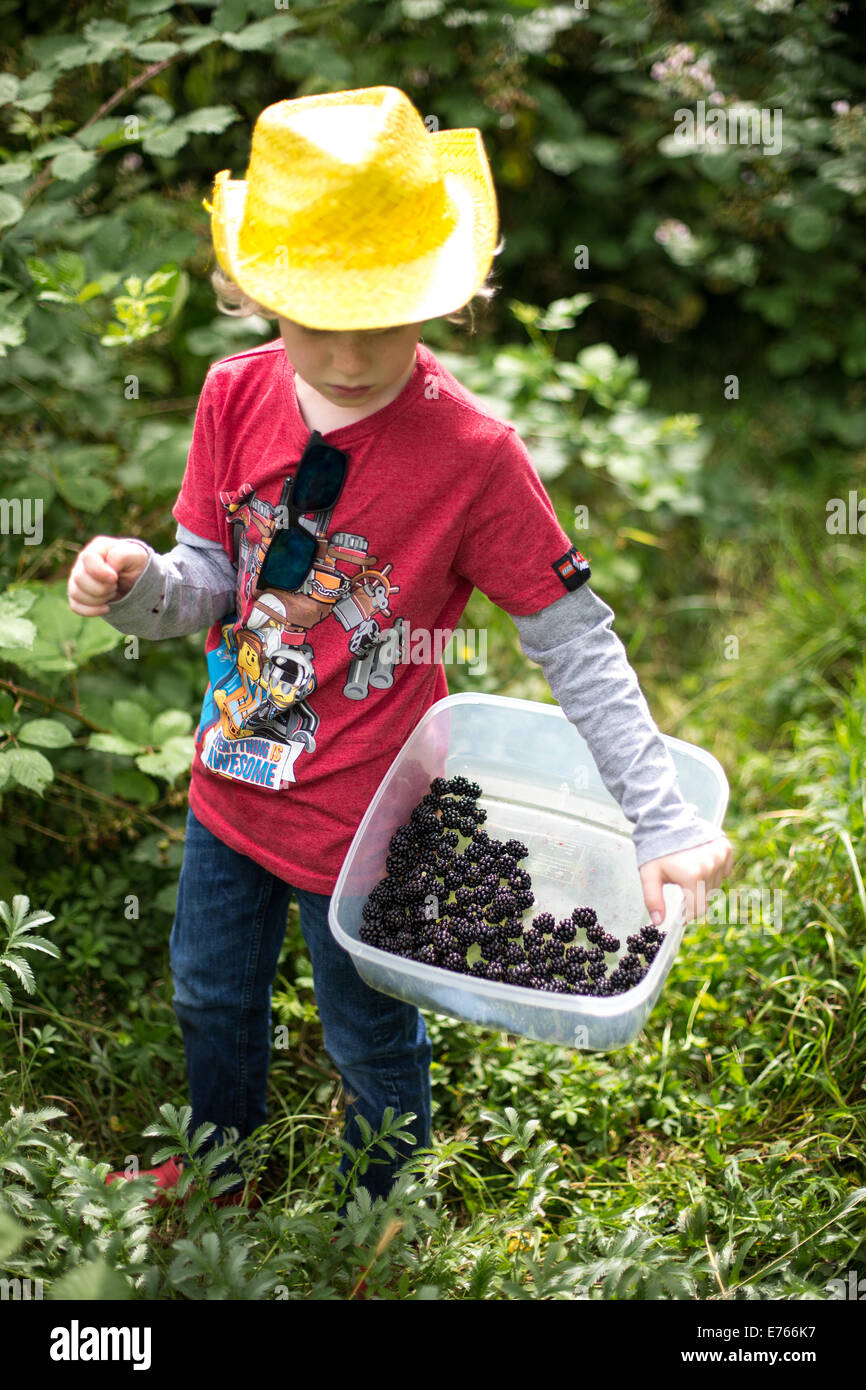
{"x":841,"y":107}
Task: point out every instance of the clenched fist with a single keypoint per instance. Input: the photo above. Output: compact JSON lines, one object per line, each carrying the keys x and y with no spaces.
{"x":104,"y":571}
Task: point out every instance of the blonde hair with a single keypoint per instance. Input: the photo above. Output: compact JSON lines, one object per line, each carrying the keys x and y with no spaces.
{"x":231,"y":299}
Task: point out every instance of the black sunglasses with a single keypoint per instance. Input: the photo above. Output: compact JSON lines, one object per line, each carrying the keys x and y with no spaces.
{"x":315,"y":487}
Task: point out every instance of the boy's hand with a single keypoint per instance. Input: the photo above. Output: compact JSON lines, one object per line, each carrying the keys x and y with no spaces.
{"x":105,"y":570}
{"x":697,"y":871}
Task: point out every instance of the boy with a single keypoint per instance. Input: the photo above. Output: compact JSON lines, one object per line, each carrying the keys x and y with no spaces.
{"x":354,"y":226}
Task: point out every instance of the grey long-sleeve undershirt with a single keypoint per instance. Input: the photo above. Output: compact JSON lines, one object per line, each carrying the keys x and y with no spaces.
{"x":583,"y":661}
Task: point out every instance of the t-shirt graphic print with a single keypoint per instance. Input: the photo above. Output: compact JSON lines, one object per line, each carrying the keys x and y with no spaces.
{"x":259,"y":715}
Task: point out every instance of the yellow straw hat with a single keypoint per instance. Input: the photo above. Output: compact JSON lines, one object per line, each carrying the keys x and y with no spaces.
{"x":353,"y":215}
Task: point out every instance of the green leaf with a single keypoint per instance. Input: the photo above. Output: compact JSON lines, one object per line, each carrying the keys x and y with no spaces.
{"x":171,"y":723}
{"x":35,"y":91}
{"x":114,"y":743}
{"x":132,"y":785}
{"x":167,"y":141}
{"x":154,"y":52}
{"x":92,"y":1280}
{"x":63,"y":640}
{"x":11,"y":210}
{"x":136,"y":8}
{"x":29,"y":769}
{"x":171,"y":761}
{"x":11,"y":1236}
{"x":262,"y":34}
{"x":131,"y":720}
{"x":73,"y":164}
{"x":86,"y":492}
{"x":16,"y":171}
{"x":45,"y":733}
{"x":15,"y":629}
{"x":197,"y":36}
{"x":8,"y":87}
{"x":209,"y":120}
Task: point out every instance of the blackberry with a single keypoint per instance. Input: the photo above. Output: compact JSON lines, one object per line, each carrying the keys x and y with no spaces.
{"x":544,"y":922}
{"x":454,"y":960}
{"x":424,"y":817}
{"x":520,"y":974}
{"x":584,"y":917}
{"x":428,"y":954}
{"x":554,"y":950}
{"x":565,"y":930}
{"x":608,"y":943}
{"x":438,"y":786}
{"x":596,"y":969}
{"x":634,"y":944}
{"x":516,"y":849}
{"x":650,"y":933}
{"x":532,"y":937}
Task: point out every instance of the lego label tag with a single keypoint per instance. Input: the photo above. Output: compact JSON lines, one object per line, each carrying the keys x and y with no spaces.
{"x":572,"y":568}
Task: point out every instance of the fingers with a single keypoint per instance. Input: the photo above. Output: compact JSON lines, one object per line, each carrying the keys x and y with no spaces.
{"x":92,"y":580}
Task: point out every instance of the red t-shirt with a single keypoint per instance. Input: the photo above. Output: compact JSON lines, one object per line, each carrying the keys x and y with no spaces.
{"x":304,"y":712}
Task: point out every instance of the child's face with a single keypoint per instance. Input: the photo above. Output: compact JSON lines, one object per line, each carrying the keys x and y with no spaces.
{"x":377,"y":359}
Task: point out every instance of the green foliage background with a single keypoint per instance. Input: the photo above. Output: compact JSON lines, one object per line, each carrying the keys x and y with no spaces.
{"x":723,"y":1150}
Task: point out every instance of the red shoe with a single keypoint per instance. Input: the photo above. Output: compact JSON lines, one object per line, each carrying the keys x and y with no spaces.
{"x":167,"y":1176}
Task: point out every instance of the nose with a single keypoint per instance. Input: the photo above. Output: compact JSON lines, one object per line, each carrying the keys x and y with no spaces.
{"x":350,"y":357}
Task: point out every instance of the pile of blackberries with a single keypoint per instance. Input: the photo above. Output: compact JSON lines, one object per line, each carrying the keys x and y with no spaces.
{"x":464,"y":910}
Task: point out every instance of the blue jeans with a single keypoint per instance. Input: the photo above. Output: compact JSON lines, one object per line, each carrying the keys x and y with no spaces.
{"x":225,"y":945}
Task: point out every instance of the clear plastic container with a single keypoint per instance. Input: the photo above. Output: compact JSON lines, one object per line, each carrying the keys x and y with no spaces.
{"x":540,"y":785}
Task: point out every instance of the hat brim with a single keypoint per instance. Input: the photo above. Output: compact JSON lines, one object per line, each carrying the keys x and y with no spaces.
{"x":335,"y":297}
